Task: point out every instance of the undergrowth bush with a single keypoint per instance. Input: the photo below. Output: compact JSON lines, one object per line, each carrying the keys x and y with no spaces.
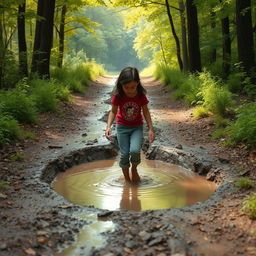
{"x":77,"y":76}
{"x":44,"y":95}
{"x":244,"y":183}
{"x":9,"y":129}
{"x":19,"y":105}
{"x":249,"y":206}
{"x":244,"y":128}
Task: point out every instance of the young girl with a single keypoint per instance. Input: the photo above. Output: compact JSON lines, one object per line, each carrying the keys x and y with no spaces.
{"x":127,"y":102}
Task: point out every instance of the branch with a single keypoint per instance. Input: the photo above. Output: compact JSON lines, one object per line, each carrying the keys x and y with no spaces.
{"x":171,"y":6}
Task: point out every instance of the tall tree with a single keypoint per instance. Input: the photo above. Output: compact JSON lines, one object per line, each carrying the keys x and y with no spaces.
{"x":183,"y":35}
{"x":23,"y":66}
{"x":226,"y":46}
{"x":193,"y":37}
{"x":62,"y":35}
{"x":176,"y":38}
{"x":37,"y":37}
{"x":46,"y":39}
{"x":245,"y":44}
{"x":213,"y":55}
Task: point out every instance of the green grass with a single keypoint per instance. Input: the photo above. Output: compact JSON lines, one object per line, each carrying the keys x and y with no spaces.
{"x":245,"y":183}
{"x":9,"y":129}
{"x":200,"y":112}
{"x":17,"y":157}
{"x":244,"y":128}
{"x":249,"y":206}
{"x":3,"y":184}
{"x":19,"y":105}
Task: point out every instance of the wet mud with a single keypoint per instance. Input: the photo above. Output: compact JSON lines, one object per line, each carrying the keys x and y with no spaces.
{"x":40,"y":221}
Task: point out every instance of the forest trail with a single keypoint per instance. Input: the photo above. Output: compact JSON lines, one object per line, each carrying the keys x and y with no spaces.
{"x":36,"y":220}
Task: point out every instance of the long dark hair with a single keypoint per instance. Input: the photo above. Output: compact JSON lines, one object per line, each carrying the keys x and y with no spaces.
{"x":126,"y":76}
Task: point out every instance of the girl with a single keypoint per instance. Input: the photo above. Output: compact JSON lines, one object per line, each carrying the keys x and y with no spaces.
{"x":127,"y":102}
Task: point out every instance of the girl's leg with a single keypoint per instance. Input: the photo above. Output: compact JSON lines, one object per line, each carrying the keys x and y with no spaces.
{"x":123,"y":138}
{"x":135,"y":147}
{"x":126,"y":174}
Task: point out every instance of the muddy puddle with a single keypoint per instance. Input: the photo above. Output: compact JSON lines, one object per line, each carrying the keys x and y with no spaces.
{"x":101,"y":184}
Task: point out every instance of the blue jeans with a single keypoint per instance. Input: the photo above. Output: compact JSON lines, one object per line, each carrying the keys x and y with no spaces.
{"x":130,"y":141}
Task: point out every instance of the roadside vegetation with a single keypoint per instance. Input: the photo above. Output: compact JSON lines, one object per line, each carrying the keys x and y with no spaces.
{"x":29,"y":97}
{"x":212,"y":97}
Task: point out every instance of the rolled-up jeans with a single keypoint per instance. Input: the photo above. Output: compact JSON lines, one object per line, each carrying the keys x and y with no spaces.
{"x":129,"y":141}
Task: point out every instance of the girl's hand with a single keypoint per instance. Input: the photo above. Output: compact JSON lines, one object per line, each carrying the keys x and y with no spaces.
{"x":151,"y":135}
{"x":108,"y":133}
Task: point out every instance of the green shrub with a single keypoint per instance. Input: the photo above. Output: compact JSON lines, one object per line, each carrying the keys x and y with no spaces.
{"x":244,"y":128}
{"x":200,"y":111}
{"x":44,"y":95}
{"x":18,"y":156}
{"x":249,"y":206}
{"x":9,"y":129}
{"x":244,"y":183}
{"x":234,"y":82}
{"x":3,"y":184}
{"x":217,"y":99}
{"x":17,"y":104}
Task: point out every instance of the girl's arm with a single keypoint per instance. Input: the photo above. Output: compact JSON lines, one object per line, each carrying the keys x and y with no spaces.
{"x":148,"y":119}
{"x":111,"y":118}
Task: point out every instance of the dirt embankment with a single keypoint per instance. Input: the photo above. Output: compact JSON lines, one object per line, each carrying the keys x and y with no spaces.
{"x":35,"y":220}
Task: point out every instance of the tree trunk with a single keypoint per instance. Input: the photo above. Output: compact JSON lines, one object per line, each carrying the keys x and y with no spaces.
{"x":37,"y":39}
{"x":245,"y":35}
{"x":213,"y":55}
{"x":184,"y":35}
{"x":193,"y":37}
{"x":174,"y":35}
{"x":46,"y":39}
{"x":23,"y":66}
{"x":62,"y":35}
{"x":226,"y":46}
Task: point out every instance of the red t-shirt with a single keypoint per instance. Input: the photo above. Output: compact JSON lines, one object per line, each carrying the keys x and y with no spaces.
{"x":129,"y":111}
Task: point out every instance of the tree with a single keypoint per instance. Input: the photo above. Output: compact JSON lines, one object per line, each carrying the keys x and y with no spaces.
{"x":183,"y":35}
{"x":43,"y":38}
{"x":245,"y":45}
{"x":23,"y":66}
{"x":193,"y":37}
{"x":174,"y":35}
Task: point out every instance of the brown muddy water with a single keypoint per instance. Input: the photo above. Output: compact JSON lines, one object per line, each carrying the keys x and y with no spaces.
{"x":163,"y":185}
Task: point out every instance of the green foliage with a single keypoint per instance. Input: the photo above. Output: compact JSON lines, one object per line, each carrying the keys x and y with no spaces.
{"x":249,"y":206}
{"x":3,"y":184}
{"x":217,"y":99}
{"x":234,"y":82}
{"x":200,"y":112}
{"x":244,"y":128}
{"x":44,"y":95}
{"x":17,"y":104}
{"x":75,"y":77}
{"x":9,"y":129}
{"x":18,"y":156}
{"x":244,"y":183}
{"x":221,"y":122}
{"x":218,"y":133}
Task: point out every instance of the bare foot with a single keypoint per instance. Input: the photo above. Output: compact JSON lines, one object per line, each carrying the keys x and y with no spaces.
{"x":135,"y":175}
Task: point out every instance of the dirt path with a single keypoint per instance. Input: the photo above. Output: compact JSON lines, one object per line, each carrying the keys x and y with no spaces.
{"x":35,"y":220}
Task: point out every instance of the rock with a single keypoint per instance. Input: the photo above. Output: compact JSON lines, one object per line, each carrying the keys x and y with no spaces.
{"x":177,"y":246}
{"x":144,"y":235}
{"x":104,"y":214}
{"x":155,"y":241}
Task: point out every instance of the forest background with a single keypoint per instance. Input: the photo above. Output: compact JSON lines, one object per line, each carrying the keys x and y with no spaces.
{"x":203,"y":50}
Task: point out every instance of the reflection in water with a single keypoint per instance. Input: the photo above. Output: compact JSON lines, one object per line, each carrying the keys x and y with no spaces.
{"x":163,"y":186}
{"x":88,"y":238}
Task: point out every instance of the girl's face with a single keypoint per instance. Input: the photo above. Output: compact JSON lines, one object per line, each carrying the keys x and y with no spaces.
{"x":130,"y":89}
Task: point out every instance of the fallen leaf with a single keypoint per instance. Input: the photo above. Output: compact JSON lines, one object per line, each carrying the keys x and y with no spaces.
{"x":30,"y":251}
{"x":127,"y":250}
{"x":64,"y":206}
{"x":41,"y":240}
{"x":3,"y":196}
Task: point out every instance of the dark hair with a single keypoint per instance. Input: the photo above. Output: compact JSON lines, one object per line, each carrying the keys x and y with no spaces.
{"x":126,"y":76}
